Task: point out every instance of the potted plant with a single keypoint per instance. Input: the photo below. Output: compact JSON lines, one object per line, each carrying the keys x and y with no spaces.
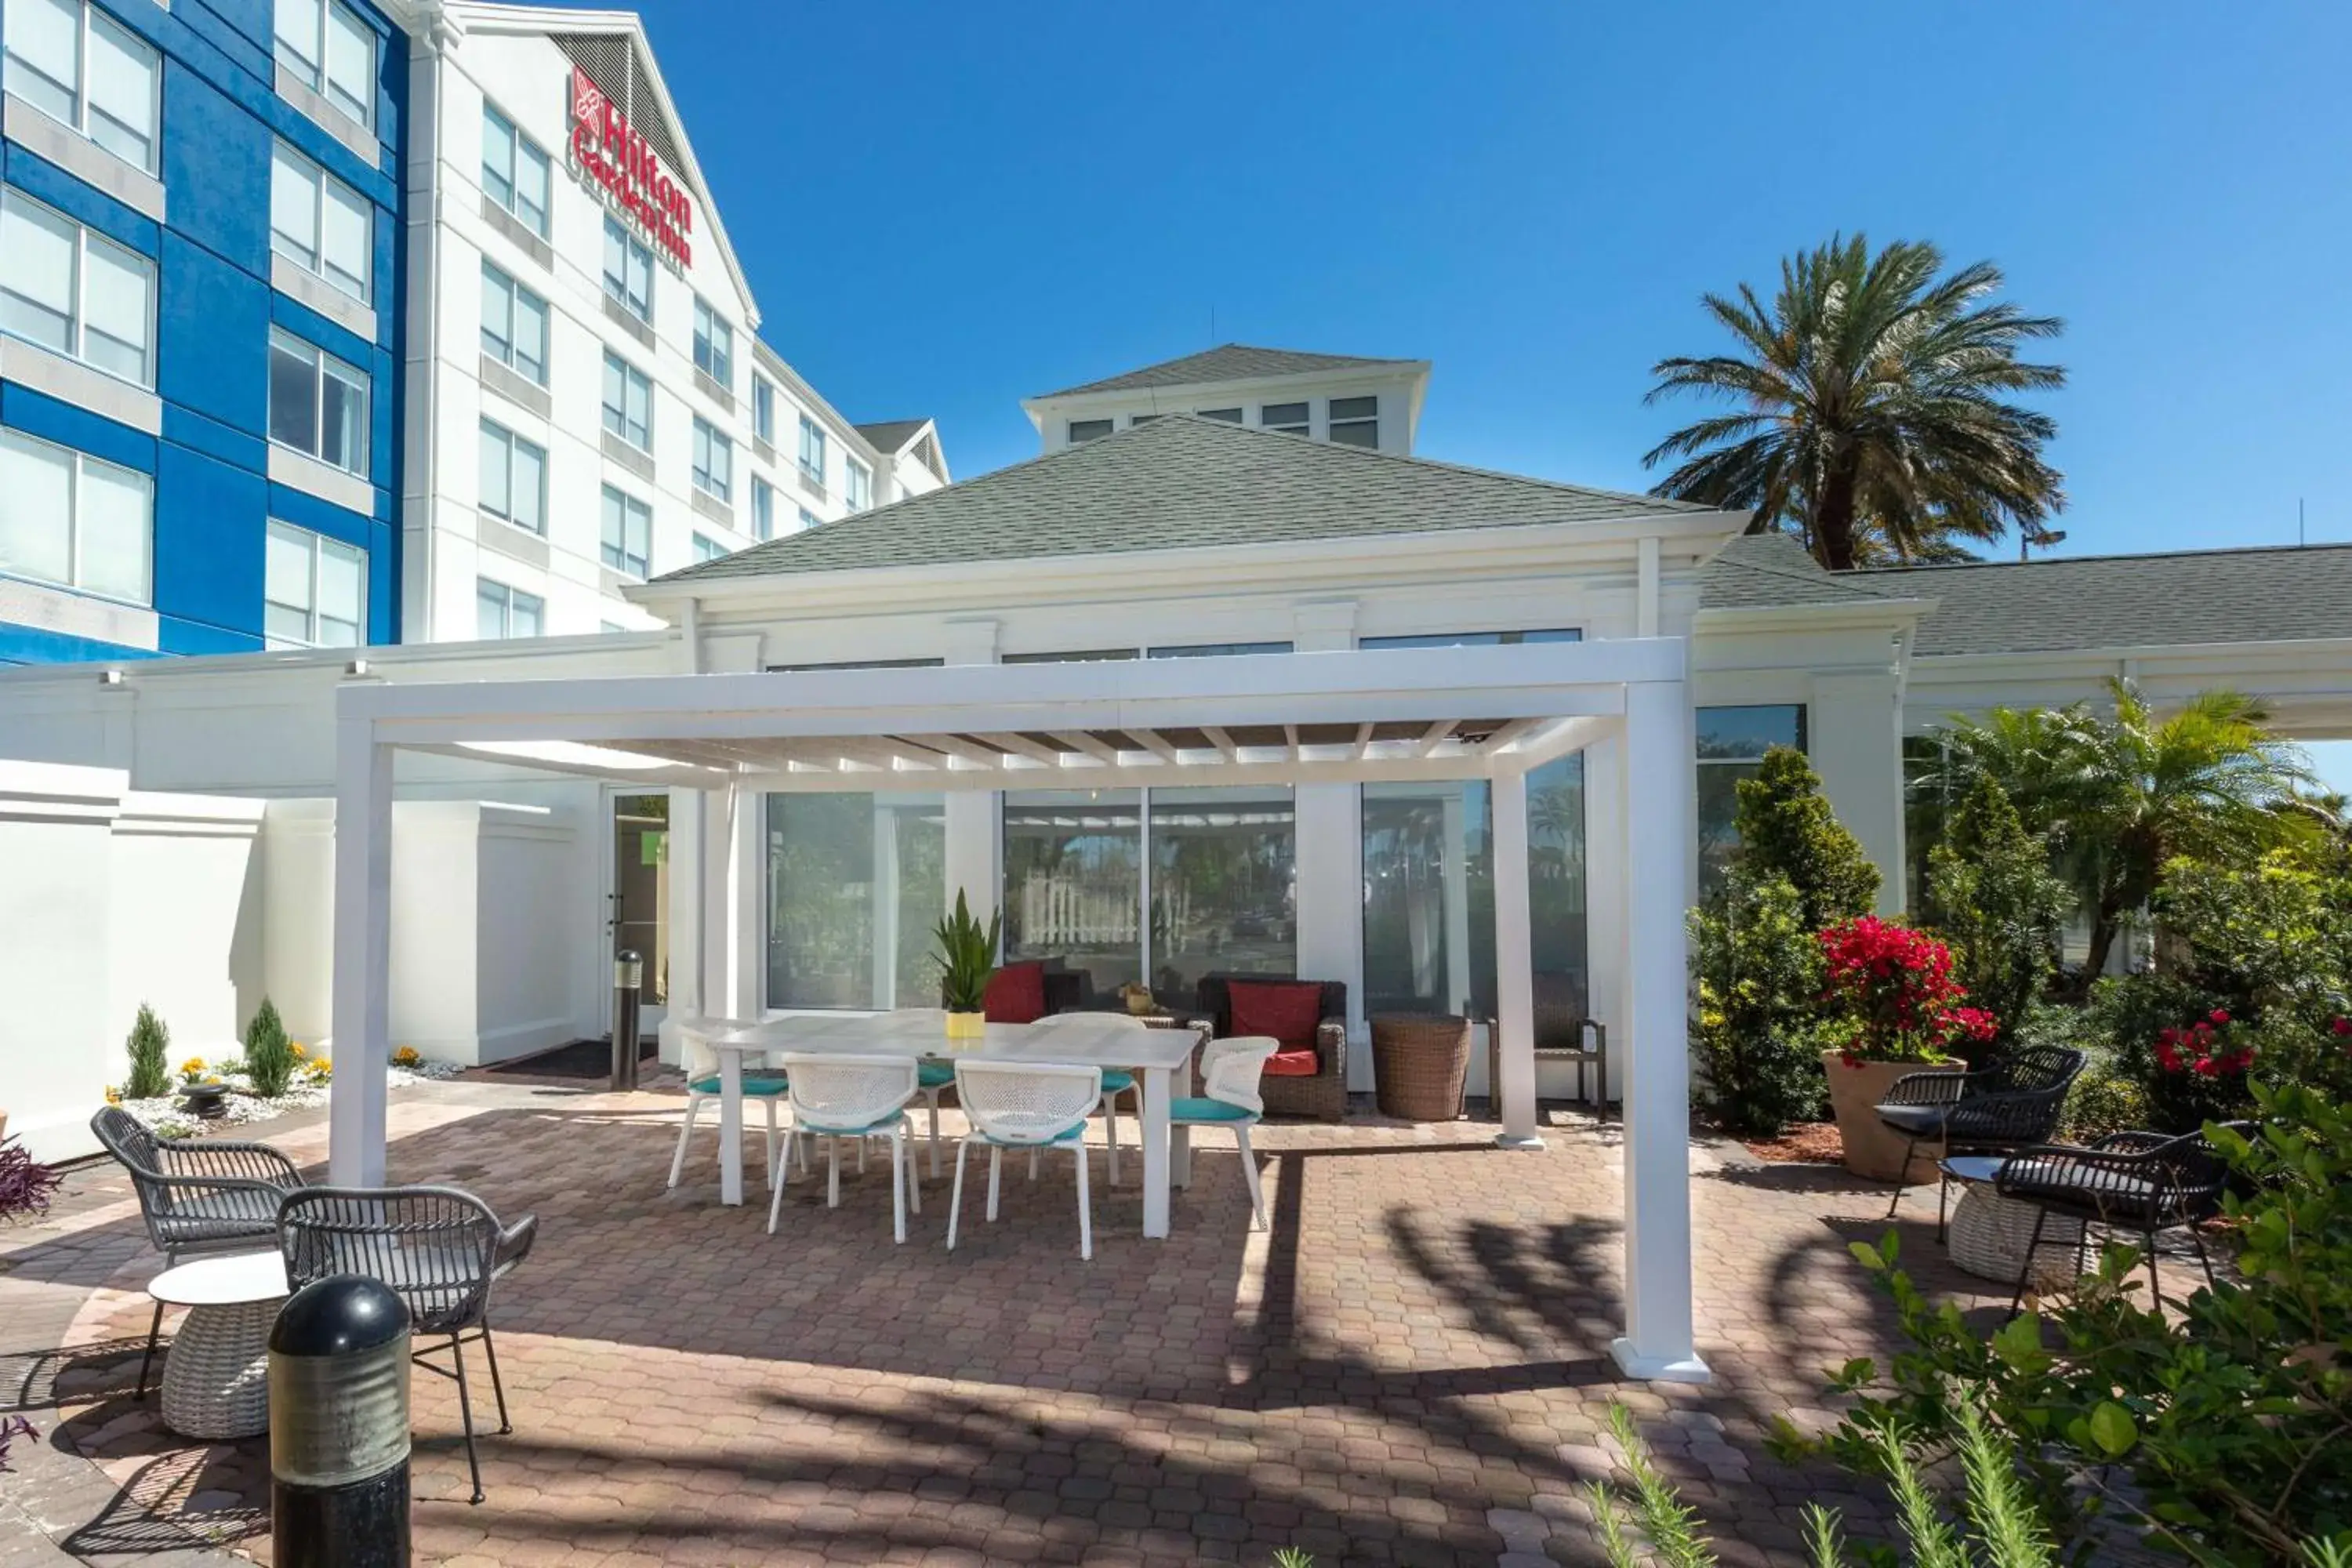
{"x":967,"y":960}
{"x":1895,"y":1010}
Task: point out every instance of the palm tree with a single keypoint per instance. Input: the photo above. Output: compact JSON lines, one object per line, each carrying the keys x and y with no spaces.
{"x":1871,"y":420}
{"x":2118,"y":796}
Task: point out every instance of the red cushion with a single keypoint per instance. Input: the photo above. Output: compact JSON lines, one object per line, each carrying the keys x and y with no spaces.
{"x":1287,"y":1010}
{"x":1016,"y":995}
{"x":1300,"y":1063}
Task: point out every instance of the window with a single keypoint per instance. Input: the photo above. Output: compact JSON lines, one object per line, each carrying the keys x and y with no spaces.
{"x":69,"y":519}
{"x":514,"y":477}
{"x":1287,"y":417}
{"x":809,"y":518}
{"x":854,"y":885}
{"x":333,"y":53}
{"x":628,"y":402}
{"x":860,"y":484}
{"x":1142,"y":419}
{"x":320,"y":224}
{"x":714,"y":344}
{"x":503,"y":612}
{"x":813,"y":450}
{"x":763,"y":409}
{"x":514,"y":172}
{"x":1088,"y":429}
{"x":707,"y":548}
{"x":1229,"y":416}
{"x":514,"y":325}
{"x":318,"y":405}
{"x":714,"y":462}
{"x":314,"y":591}
{"x":79,"y":66}
{"x":1072,"y":656}
{"x":628,"y":271}
{"x":1731,"y":746}
{"x":628,"y":534}
{"x":1355,"y":421}
{"x":763,"y":509}
{"x":78,"y":293}
{"x":1219,"y":649}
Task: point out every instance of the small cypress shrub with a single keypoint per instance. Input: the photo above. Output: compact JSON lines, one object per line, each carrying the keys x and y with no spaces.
{"x":150,"y":1045}
{"x":269,"y":1057}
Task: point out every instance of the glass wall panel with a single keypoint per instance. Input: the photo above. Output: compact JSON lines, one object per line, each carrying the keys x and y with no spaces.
{"x":854,"y":884}
{"x":1073,"y":881}
{"x":1731,"y":746}
{"x":1224,"y":898}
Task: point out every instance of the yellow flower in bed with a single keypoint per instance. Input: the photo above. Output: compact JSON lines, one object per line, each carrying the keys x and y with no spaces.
{"x":406,"y":1057}
{"x":296,"y":1046}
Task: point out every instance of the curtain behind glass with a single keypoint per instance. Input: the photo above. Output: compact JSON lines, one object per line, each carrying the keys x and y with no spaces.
{"x":854,"y":885}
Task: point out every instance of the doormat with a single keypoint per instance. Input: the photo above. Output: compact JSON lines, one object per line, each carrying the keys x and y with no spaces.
{"x":584,"y":1059}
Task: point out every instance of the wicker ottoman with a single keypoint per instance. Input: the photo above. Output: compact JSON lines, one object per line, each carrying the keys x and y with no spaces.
{"x":216,"y":1376}
{"x":1419,"y":1065}
{"x":1989,"y":1232}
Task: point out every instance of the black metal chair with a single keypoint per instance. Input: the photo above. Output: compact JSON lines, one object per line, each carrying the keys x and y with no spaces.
{"x":438,"y":1248}
{"x":2013,"y":1104}
{"x":2143,"y":1182}
{"x":198,"y":1196}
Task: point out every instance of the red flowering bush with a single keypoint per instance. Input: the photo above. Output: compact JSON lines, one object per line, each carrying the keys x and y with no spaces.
{"x":1894,"y":986}
{"x":2212,"y":1047}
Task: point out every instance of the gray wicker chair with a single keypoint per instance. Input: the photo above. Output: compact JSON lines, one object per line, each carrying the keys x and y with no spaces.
{"x":439,"y":1249}
{"x":198,"y":1196}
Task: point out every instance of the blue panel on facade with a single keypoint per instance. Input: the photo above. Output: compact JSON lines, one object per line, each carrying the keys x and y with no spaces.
{"x":239,"y":49}
{"x":45,"y":182}
{"x":383,"y":578}
{"x":32,"y":645}
{"x":179,"y":636}
{"x":37,"y":414}
{"x":238,"y":448}
{"x":254,"y":20}
{"x":306,"y":510}
{"x":215,"y":170}
{"x":311,"y":327}
{"x":209,"y":520}
{"x":212,"y":336}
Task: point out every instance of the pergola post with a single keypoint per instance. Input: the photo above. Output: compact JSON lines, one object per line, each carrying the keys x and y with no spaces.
{"x":1658,"y":786}
{"x":1514,"y":962}
{"x":363,"y":956}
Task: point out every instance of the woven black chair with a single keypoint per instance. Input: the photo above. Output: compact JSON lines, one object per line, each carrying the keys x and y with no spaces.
{"x":438,"y":1248}
{"x":2147,"y":1182}
{"x":196,"y":1194}
{"x":2013,"y":1104}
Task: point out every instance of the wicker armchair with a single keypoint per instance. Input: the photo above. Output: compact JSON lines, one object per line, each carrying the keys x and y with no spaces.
{"x":439,"y":1249}
{"x":2143,"y":1182}
{"x":1324,"y":1095}
{"x":2010,"y":1105}
{"x":198,"y":1196}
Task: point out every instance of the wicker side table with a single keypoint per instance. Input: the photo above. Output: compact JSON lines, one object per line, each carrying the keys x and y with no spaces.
{"x":1419,"y":1065}
{"x":1989,"y":1232}
{"x":216,"y":1376}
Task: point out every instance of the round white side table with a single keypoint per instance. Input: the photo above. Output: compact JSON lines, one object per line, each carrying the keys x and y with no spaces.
{"x":217,"y":1377}
{"x":1989,"y":1232}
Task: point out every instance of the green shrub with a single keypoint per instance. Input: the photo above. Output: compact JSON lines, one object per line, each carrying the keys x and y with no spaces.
{"x":1993,"y":898}
{"x":150,"y":1047}
{"x":269,"y":1058}
{"x":2104,"y":1101}
{"x":1758,"y":1032}
{"x":1788,"y":830}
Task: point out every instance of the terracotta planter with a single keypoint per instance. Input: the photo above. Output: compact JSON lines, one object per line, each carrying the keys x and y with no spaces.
{"x":1873,"y":1149}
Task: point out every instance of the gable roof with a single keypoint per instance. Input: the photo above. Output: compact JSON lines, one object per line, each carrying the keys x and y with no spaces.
{"x":1227,"y":362}
{"x":891,"y":435}
{"x":1180,"y":482}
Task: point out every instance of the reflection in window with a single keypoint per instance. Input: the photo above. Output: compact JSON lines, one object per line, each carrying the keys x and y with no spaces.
{"x":1073,"y":881}
{"x":854,"y":885}
{"x":1731,"y":743}
{"x":1223,"y":895}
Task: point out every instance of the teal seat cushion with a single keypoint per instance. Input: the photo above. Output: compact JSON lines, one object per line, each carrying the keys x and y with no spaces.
{"x":754,"y":1083}
{"x":1188,"y":1110}
{"x":1071,"y":1136}
{"x":1118,"y":1081}
{"x":935,"y":1075}
{"x":888,"y":1122}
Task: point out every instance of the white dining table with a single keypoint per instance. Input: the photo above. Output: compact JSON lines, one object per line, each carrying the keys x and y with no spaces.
{"x":1155,"y":1055}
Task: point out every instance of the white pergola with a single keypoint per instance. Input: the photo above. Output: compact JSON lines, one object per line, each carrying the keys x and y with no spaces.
{"x":1309,"y":719}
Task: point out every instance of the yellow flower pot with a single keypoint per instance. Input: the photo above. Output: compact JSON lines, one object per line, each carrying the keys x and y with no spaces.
{"x":967,"y":1025}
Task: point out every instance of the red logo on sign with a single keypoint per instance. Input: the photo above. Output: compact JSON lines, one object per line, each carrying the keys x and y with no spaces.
{"x":607,"y":151}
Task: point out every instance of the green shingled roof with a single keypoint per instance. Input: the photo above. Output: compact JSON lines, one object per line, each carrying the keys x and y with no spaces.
{"x":1227,"y":362}
{"x":1177,"y":483}
{"x":1765,"y":571}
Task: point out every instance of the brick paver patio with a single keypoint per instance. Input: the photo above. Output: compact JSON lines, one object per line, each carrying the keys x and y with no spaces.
{"x":1410,"y":1367}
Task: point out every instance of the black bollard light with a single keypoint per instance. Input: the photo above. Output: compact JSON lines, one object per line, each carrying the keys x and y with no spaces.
{"x":629,"y":974}
{"x":339,"y":1426}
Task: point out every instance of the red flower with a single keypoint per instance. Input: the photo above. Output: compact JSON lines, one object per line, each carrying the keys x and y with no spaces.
{"x":2207,"y":1067}
{"x":2340,"y":1027}
{"x":2167,"y":1057}
{"x":2219,"y":1015}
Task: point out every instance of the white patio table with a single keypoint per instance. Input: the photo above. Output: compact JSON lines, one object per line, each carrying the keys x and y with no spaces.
{"x":1155,"y":1055}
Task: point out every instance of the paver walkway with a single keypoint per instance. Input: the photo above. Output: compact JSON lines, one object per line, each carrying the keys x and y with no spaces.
{"x":1410,"y":1367}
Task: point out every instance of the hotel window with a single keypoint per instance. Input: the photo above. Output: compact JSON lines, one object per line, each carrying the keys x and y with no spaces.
{"x":763,"y":409}
{"x":628,"y":534}
{"x":1355,"y":421}
{"x":1290,"y":417}
{"x":68,"y":518}
{"x":318,"y":405}
{"x":707,"y":549}
{"x":1731,"y":746}
{"x":514,"y":325}
{"x":854,"y":885}
{"x":314,"y":590}
{"x":332,"y":52}
{"x":514,"y":172}
{"x":628,"y":271}
{"x":859,"y":484}
{"x":514,"y":477}
{"x":1088,"y":429}
{"x":813,"y":450}
{"x":1223,"y":415}
{"x":714,"y":462}
{"x":81,"y":68}
{"x":320,"y":224}
{"x":763,"y":509}
{"x":714,"y":344}
{"x":809,"y":518}
{"x":502,"y":612}
{"x":68,"y":289}
{"x":628,"y":402}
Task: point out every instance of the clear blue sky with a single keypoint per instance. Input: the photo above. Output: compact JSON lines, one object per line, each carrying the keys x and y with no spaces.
{"x":945,"y":206}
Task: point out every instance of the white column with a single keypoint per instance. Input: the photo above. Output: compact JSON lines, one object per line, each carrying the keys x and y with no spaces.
{"x":884,"y":969}
{"x":363,"y":961}
{"x":1514,"y":962}
{"x":1854,"y":737}
{"x":974,"y":842}
{"x":1658,"y":803}
{"x":726,"y":977}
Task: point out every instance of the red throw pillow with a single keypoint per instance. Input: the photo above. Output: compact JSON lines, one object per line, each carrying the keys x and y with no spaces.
{"x":1016,"y":995}
{"x":1300,"y":1063}
{"x":1288,"y":1010}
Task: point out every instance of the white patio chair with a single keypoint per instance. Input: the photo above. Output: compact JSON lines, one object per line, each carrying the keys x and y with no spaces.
{"x":702,"y":1063}
{"x":1025,"y":1105}
{"x":860,"y":1096}
{"x":931,"y":1078}
{"x":1229,"y":1097}
{"x":1115,"y":1081}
